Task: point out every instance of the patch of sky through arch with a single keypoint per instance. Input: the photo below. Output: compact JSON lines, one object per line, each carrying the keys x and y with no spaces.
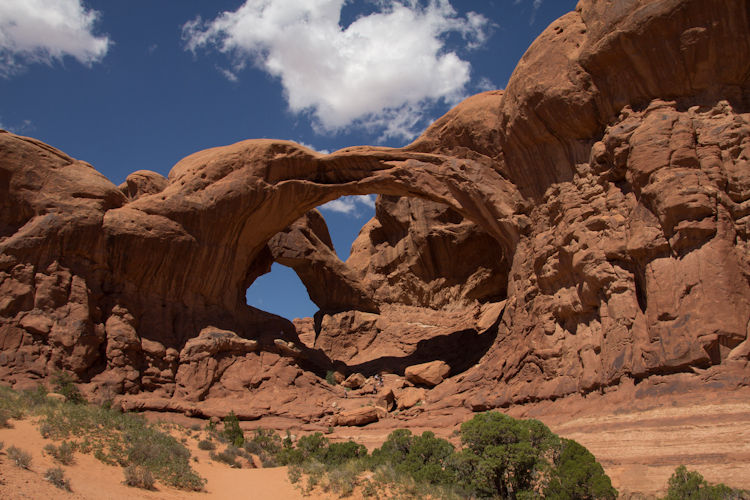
{"x":281,"y":292}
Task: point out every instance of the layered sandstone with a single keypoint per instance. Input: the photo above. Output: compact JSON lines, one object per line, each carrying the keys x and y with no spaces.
{"x":583,"y":230}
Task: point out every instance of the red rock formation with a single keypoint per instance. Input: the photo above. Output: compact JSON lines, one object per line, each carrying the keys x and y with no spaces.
{"x":595,"y":232}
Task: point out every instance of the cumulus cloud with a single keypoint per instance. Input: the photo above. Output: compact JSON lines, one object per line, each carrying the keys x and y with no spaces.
{"x":47,"y":30}
{"x":350,"y":205}
{"x":381,"y":72}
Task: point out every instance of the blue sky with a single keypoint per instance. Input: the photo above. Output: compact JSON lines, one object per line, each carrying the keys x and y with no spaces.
{"x":140,"y":84}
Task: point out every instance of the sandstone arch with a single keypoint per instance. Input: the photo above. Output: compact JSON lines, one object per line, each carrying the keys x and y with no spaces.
{"x":250,"y":186}
{"x":621,"y":204}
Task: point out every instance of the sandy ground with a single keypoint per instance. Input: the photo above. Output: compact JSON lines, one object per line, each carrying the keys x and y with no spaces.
{"x":639,"y":443}
{"x":92,"y":480}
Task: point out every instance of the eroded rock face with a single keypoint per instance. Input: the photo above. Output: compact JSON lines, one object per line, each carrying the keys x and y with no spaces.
{"x":629,"y":264}
{"x":586,"y":226}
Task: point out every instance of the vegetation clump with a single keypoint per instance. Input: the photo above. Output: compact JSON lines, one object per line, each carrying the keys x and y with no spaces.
{"x":56,"y":476}
{"x":122,"y":439}
{"x":690,"y":485}
{"x":138,"y":477}
{"x":232,"y":431}
{"x":19,"y":457}
{"x":206,"y":445}
{"x":63,"y":384}
{"x":499,"y":457}
{"x":62,"y":454}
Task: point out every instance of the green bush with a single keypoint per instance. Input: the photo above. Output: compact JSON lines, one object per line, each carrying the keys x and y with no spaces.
{"x":331,"y":377}
{"x":232,"y":430}
{"x":57,"y":477}
{"x":269,"y":440}
{"x":341,"y":453}
{"x":424,"y":457}
{"x":63,"y":384}
{"x":502,"y":456}
{"x":690,"y":485}
{"x":578,"y":476}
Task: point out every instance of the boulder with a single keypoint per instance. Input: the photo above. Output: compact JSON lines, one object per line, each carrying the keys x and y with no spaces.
{"x":409,"y":397}
{"x":358,"y":416}
{"x":386,"y":399}
{"x":354,"y":381}
{"x":211,"y":341}
{"x":431,"y":374}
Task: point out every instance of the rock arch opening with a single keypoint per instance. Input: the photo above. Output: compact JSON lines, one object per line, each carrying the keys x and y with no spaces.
{"x":281,"y":292}
{"x":419,"y":281}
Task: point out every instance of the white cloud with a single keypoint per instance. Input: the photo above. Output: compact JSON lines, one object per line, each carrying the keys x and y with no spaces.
{"x":484,"y":84}
{"x":310,"y":146}
{"x":349,"y":204}
{"x":384,"y":66}
{"x":535,"y":8}
{"x":25,"y":127}
{"x":228,"y":74}
{"x":47,"y":30}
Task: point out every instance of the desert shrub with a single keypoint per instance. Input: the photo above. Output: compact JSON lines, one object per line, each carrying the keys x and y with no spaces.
{"x":422,"y":457}
{"x":295,"y":473}
{"x":57,"y":477}
{"x":227,"y":456}
{"x":62,"y":454}
{"x":578,"y":476}
{"x":313,"y":446}
{"x":269,"y":440}
{"x":341,"y":453}
{"x":690,"y":485}
{"x":232,"y":430}
{"x":123,"y":439}
{"x":63,"y":384}
{"x":138,"y":477}
{"x":19,"y":457}
{"x":502,"y":456}
{"x":342,"y":479}
{"x":317,"y":447}
{"x":268,"y":461}
{"x":206,"y":445}
{"x":36,"y":397}
{"x":195,"y":427}
{"x":5,"y":419}
{"x":331,"y":377}
{"x":12,"y":405}
{"x":290,"y":456}
{"x":253,"y":447}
